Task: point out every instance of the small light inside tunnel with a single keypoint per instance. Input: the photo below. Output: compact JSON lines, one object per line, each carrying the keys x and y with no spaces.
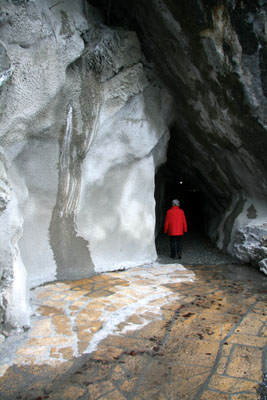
{"x":181,"y":182}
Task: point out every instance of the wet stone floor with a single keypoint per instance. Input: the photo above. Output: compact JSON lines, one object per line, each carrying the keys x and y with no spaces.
{"x":154,"y":332}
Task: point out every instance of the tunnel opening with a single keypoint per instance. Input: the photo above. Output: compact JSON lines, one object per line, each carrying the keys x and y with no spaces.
{"x":198,"y":247}
{"x":170,"y":186}
{"x":179,"y":178}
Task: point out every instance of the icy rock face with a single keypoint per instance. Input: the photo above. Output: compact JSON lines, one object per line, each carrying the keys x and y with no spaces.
{"x":251,"y":245}
{"x":82,"y":131}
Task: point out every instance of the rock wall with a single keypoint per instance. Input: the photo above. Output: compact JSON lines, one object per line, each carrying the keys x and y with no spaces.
{"x":212,"y":56}
{"x":250,"y":245}
{"x":82,"y":131}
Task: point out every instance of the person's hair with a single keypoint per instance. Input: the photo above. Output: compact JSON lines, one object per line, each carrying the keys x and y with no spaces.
{"x":176,"y":202}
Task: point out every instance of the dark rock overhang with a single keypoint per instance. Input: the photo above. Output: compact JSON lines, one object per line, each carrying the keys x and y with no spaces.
{"x":212,"y":57}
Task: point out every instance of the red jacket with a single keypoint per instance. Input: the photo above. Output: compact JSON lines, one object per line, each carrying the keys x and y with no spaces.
{"x":175,"y":222}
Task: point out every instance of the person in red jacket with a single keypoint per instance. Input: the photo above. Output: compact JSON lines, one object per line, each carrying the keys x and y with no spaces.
{"x":175,"y":225}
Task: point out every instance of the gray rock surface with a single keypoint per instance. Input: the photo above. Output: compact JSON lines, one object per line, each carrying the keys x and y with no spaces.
{"x":251,"y":245}
{"x":82,"y":131}
{"x":5,"y":67}
{"x":263,"y":266}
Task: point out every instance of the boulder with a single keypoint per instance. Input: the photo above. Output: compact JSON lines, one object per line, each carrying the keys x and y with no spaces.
{"x":263,"y":266}
{"x":250,"y":245}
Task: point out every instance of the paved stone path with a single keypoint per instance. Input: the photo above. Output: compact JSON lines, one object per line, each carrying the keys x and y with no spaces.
{"x":153,"y":332}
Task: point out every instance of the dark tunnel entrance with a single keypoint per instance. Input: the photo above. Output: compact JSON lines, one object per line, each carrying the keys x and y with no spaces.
{"x":198,"y":248}
{"x":184,"y":177}
{"x":169,"y":187}
{"x":191,"y":201}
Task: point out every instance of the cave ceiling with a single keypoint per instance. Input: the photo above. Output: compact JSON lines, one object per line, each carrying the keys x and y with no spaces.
{"x":212,"y":57}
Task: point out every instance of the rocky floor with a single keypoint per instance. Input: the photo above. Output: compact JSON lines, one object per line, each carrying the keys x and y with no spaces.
{"x":197,"y":250}
{"x":163,"y":331}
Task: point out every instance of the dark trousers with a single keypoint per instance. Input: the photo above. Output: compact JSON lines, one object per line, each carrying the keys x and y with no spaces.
{"x":176,"y":245}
